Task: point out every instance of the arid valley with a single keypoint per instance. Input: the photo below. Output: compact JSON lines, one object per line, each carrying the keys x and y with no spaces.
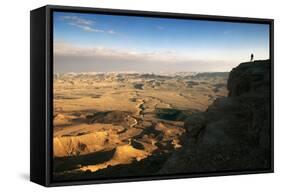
{"x":111,"y":120}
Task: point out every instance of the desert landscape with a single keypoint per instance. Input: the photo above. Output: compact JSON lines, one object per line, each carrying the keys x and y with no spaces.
{"x":146,"y":96}
{"x":104,"y":120}
{"x":114,"y":125}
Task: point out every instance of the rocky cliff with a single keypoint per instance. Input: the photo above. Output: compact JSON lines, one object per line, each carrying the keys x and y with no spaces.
{"x":234,"y":132}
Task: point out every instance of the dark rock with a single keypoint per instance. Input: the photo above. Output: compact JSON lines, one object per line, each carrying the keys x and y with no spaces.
{"x":234,"y":132}
{"x":123,"y":118}
{"x":139,"y":86}
{"x":248,"y":77}
{"x":136,"y":144}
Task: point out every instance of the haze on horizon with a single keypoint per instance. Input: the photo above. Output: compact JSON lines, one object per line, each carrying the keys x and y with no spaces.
{"x":105,"y":43}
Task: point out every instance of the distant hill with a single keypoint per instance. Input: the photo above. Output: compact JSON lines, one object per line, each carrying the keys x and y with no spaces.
{"x":212,"y":74}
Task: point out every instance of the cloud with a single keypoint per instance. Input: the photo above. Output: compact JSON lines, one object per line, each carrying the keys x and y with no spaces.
{"x":77,"y":20}
{"x":84,"y":24}
{"x":71,"y":58}
{"x":160,"y":27}
{"x":66,"y":49}
{"x":111,"y":32}
{"x":86,"y":28}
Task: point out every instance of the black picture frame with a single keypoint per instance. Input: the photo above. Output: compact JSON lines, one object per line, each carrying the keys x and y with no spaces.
{"x":41,"y":91}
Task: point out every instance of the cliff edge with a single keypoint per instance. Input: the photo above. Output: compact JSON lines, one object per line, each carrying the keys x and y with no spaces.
{"x":234,"y":132}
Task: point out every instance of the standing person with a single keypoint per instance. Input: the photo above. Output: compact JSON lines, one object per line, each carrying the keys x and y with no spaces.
{"x":252,"y":57}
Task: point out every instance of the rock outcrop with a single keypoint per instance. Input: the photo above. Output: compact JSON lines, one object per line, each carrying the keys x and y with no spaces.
{"x":234,"y":132}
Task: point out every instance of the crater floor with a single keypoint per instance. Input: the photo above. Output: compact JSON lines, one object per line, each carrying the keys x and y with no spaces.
{"x":106,"y":120}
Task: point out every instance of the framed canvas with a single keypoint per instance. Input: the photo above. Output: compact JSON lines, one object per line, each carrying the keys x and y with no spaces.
{"x":122,"y":95}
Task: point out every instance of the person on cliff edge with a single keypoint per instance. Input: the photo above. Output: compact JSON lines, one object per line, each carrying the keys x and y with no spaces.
{"x":252,"y":57}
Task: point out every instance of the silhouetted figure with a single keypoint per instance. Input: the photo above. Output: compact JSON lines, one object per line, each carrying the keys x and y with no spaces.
{"x":252,"y":57}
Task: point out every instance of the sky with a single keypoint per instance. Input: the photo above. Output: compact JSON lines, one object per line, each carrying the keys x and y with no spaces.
{"x":107,"y":43}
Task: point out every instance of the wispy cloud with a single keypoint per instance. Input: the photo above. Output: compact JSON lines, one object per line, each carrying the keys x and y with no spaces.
{"x":77,"y":20}
{"x":160,"y":27}
{"x":84,"y":24}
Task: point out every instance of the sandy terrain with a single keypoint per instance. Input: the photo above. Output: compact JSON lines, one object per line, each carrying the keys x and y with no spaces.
{"x":104,"y":120}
